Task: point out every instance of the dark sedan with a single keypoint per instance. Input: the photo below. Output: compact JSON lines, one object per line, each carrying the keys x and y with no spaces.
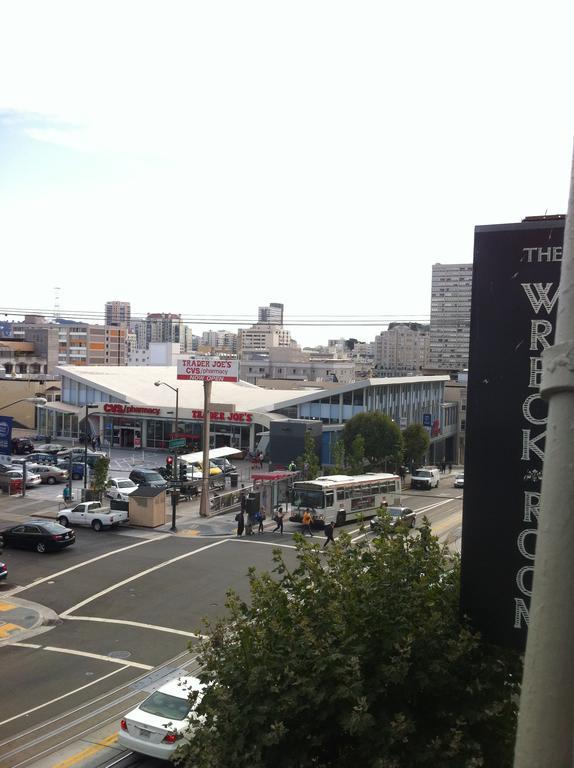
{"x":41,"y":535}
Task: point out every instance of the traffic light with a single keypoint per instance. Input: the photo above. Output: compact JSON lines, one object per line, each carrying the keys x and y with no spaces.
{"x":168,"y":467}
{"x":182,"y":471}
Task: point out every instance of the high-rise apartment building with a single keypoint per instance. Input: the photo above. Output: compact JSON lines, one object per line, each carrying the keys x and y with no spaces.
{"x":402,"y":350}
{"x":271,"y":315}
{"x":262,"y":337}
{"x":118,"y":312}
{"x":162,"y":328}
{"x":451,"y":293}
{"x":77,"y":344}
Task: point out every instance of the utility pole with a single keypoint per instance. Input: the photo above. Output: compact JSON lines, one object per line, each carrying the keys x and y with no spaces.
{"x":545,"y":734}
{"x":204,"y":501}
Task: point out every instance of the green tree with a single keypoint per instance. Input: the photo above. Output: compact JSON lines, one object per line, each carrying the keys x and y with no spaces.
{"x":339,"y":457}
{"x":357,"y":455}
{"x":416,"y":442}
{"x":383,"y":439}
{"x":310,"y":458}
{"x":99,"y":479}
{"x":357,"y":656}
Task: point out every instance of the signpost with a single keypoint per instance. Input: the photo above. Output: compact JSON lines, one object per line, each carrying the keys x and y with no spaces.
{"x":515,"y":284}
{"x":180,"y":442}
{"x":208,"y":370}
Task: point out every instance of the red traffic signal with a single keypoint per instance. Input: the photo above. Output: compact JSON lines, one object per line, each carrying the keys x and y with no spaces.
{"x":169,"y":461}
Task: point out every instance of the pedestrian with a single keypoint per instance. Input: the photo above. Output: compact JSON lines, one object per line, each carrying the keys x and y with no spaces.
{"x":240,"y":520}
{"x":260,"y":519}
{"x":67,"y":494}
{"x":329,"y":528}
{"x":307,"y":519}
{"x":279,"y":521}
{"x":98,"y":443}
{"x":243,"y":498}
{"x":260,"y":459}
{"x":292,"y":466}
{"x":450,"y":467}
{"x":249,"y":524}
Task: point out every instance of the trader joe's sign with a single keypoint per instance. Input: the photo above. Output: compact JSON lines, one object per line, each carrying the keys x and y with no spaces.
{"x":207,"y":369}
{"x":515,"y":284}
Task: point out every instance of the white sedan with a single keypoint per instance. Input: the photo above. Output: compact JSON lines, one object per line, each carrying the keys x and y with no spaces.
{"x":459,"y":481}
{"x":120,"y":488}
{"x":157,"y":726}
{"x":31,"y":479}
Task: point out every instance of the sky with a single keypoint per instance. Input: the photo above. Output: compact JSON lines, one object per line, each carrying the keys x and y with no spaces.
{"x":210,"y":157}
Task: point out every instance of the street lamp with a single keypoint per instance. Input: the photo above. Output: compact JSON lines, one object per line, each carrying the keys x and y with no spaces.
{"x":35,"y":400}
{"x":175,"y":467}
{"x":86,"y":427}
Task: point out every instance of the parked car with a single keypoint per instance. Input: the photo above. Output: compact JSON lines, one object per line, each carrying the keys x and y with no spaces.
{"x":21,"y":445}
{"x":37,"y":458}
{"x":49,"y":474}
{"x":78,"y":452}
{"x":77,"y":468}
{"x":157,"y":726}
{"x":93,"y":514}
{"x":17,"y":473}
{"x":147,"y":477}
{"x":224,"y":465}
{"x":50,"y":448}
{"x":41,"y":535}
{"x":398,"y":515}
{"x":459,"y":481}
{"x":120,"y":488}
{"x":3,"y":571}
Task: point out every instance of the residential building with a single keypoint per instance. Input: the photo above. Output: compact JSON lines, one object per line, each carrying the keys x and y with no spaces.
{"x":262,"y":337}
{"x":455,"y":392}
{"x":451,"y":293}
{"x":219,"y":341}
{"x":402,"y":350}
{"x":162,"y":327}
{"x":118,"y":313}
{"x":271,"y":315}
{"x":20,"y":358}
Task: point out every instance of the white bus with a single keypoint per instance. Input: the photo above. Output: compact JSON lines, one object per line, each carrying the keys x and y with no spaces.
{"x":341,"y":498}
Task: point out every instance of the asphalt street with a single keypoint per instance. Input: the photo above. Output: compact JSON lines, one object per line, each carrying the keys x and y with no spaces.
{"x":129,"y":607}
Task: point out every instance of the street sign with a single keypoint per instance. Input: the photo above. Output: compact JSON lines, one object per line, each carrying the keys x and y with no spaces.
{"x":207,"y":369}
{"x":178,"y":443}
{"x":6,"y":435}
{"x":427,"y":419}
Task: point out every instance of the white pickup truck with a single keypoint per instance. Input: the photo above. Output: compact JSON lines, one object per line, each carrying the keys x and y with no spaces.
{"x":93,"y":514}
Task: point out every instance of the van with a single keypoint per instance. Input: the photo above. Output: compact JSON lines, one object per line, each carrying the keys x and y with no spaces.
{"x":425,"y":478}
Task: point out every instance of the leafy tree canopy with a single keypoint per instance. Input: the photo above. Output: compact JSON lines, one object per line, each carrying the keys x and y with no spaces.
{"x":356,"y":657}
{"x":382,"y":437}
{"x":416,"y":442}
{"x":309,"y":463}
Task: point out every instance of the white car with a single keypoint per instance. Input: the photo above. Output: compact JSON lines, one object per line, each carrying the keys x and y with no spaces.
{"x":17,"y":474}
{"x":459,"y":481}
{"x":120,"y":488}
{"x":157,"y":725}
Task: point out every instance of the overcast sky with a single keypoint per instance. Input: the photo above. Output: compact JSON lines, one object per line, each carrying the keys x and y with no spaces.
{"x":208,"y":157}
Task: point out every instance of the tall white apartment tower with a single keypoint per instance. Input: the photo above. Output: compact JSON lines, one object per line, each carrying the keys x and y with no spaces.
{"x":118,"y":312}
{"x":450,"y":316}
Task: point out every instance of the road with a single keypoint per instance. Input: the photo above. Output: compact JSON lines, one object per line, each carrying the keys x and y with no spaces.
{"x":129,"y":607}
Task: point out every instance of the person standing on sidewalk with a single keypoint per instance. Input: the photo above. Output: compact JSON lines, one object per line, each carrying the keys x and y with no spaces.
{"x":329,"y":528}
{"x":240,"y":519}
{"x":260,"y":519}
{"x":279,"y":521}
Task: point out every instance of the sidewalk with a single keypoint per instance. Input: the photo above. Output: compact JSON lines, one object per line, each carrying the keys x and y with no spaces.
{"x":21,"y":619}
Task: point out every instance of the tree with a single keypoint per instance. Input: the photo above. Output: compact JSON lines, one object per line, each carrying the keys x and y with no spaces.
{"x":310,"y":458}
{"x":357,"y":455}
{"x":383,"y":439}
{"x":416,"y":442}
{"x":356,"y":657}
{"x":339,"y":457}
{"x":99,"y":480}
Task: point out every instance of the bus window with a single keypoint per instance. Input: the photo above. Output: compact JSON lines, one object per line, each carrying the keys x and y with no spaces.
{"x":306,"y":497}
{"x":329,"y":498}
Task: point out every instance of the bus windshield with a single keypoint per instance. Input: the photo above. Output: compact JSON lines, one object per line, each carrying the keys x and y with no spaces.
{"x":305,"y":497}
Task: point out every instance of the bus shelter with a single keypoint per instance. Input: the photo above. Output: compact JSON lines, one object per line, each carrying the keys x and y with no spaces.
{"x":275,"y":489}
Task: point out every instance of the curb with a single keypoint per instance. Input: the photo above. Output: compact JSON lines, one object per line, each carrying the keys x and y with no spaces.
{"x":46,"y":618}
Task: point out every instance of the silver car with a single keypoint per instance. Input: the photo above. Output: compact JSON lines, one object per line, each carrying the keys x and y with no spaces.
{"x":398,"y":515}
{"x":49,"y":474}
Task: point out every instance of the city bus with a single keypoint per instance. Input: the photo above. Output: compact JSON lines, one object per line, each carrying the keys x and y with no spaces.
{"x":341,"y":498}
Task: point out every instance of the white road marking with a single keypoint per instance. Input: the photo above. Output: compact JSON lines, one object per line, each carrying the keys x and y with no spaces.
{"x":24,"y":645}
{"x":137,"y":624}
{"x":139,"y":575}
{"x":265,"y":543}
{"x":98,"y":657}
{"x":83,"y":564}
{"x":58,"y":698}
